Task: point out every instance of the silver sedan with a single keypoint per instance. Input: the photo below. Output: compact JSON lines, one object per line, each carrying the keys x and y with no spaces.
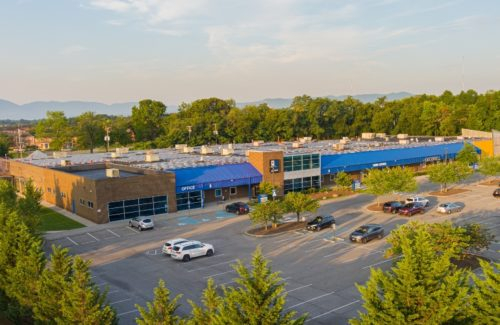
{"x":449,"y":207}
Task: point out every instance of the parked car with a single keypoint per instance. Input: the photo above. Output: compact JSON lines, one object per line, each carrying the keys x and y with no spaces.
{"x":412,"y":208}
{"x":366,"y":233}
{"x":141,"y":223}
{"x":418,"y":199}
{"x":167,"y":247}
{"x":238,"y":208}
{"x":320,"y":222}
{"x":449,"y":207}
{"x":392,"y":206}
{"x":496,"y":193}
{"x":191,"y":249}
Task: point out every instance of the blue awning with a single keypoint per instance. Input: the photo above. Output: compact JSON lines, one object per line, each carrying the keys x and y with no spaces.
{"x":357,"y":161}
{"x":212,"y":177}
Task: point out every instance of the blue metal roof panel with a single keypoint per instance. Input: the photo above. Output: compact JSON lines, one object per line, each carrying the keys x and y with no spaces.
{"x":208,"y":177}
{"x":357,"y":161}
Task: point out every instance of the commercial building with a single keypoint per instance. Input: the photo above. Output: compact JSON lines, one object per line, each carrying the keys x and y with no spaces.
{"x":105,"y":187}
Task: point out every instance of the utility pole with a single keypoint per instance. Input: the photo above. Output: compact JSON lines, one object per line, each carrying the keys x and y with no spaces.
{"x":19,"y":143}
{"x":107,"y":138}
{"x":190,"y":129}
{"x":216,"y":133}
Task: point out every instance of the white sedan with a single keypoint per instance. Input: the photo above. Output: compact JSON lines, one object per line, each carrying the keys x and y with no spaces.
{"x":167,"y":247}
{"x":418,"y":199}
{"x":449,"y":207}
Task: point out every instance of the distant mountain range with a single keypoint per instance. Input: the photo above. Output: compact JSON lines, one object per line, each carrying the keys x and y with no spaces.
{"x":37,"y":110}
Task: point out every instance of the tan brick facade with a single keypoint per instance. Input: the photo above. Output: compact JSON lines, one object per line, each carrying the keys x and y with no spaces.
{"x":261,"y":160}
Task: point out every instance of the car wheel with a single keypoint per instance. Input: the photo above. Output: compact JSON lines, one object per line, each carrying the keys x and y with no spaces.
{"x":210,"y":252}
{"x":449,"y":211}
{"x":238,"y":212}
{"x":227,"y":209}
{"x":130,"y":224}
{"x":186,"y":258}
{"x":422,"y":212}
{"x":364,"y":240}
{"x":380,"y":236}
{"x":140,"y":228}
{"x":427,"y":204}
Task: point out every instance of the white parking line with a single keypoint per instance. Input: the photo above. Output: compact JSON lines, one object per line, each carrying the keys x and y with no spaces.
{"x":288,"y":239}
{"x":119,"y":301}
{"x":359,"y":257}
{"x":331,"y":311}
{"x":128,"y":312}
{"x":368,"y":266}
{"x":132,"y":229}
{"x":213,"y":265}
{"x":365,"y":247}
{"x":114,"y":233}
{"x":301,"y":287}
{"x":217,"y":274}
{"x":71,"y":240}
{"x":321,"y":247}
{"x":93,"y":236}
{"x":312,"y":299}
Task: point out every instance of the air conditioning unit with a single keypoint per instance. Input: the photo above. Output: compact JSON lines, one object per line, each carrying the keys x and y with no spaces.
{"x":152,"y":157}
{"x":380,"y":135}
{"x":65,"y":162}
{"x":339,"y":146}
{"x":367,"y":135}
{"x":116,"y":155}
{"x":206,"y":150}
{"x":402,"y":136}
{"x":112,"y":172}
{"x":257,"y":143}
{"x":296,"y":145}
{"x":227,"y":152}
{"x":187,"y":149}
{"x":439,"y":139}
{"x":180,"y":146}
{"x":121,"y":150}
{"x":404,"y":141}
{"x":59,"y":154}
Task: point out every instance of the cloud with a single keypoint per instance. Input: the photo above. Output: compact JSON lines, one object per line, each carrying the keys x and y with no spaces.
{"x":73,"y":49}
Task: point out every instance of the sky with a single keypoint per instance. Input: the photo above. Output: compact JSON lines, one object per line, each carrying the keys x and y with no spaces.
{"x":182,"y":50}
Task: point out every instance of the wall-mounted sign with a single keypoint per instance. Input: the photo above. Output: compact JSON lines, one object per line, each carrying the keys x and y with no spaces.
{"x":188,"y":188}
{"x":274,"y":166}
{"x":380,"y":164}
{"x":430,"y":159}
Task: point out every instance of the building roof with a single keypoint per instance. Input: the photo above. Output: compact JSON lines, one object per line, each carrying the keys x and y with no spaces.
{"x":96,"y":174}
{"x":212,"y":177}
{"x":357,"y":161}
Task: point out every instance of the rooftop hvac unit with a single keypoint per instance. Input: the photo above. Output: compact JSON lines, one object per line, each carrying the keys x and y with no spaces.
{"x":367,"y":135}
{"x":305,"y":139}
{"x":187,"y":149}
{"x":230,"y":146}
{"x":227,"y":151}
{"x":402,"y":136}
{"x":121,"y":150}
{"x":152,"y":157}
{"x":339,"y":146}
{"x":115,"y":155}
{"x":206,"y":150}
{"x":180,"y":146}
{"x":112,"y":172}
{"x":460,"y":137}
{"x":380,"y":135}
{"x":65,"y":162}
{"x":439,"y":139}
{"x":296,"y":145}
{"x":343,"y":141}
{"x":59,"y":154}
{"x":404,"y":141}
{"x":257,"y":143}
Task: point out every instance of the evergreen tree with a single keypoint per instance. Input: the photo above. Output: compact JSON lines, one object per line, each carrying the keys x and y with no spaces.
{"x":206,"y":315}
{"x":422,"y":288}
{"x":298,"y":203}
{"x":485,"y":297}
{"x":54,"y":281}
{"x":8,"y":197}
{"x":82,"y":302}
{"x":258,"y":298}
{"x":29,"y":206}
{"x":162,"y":310}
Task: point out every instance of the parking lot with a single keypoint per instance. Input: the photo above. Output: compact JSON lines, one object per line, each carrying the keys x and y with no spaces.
{"x":320,"y":274}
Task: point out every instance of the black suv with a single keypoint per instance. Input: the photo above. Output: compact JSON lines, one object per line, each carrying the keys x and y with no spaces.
{"x":320,"y":222}
{"x":238,"y":208}
{"x":393,"y":206}
{"x":496,"y":193}
{"x":366,"y":233}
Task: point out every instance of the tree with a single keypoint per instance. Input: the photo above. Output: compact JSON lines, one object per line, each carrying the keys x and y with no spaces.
{"x":258,"y":297}
{"x":297,"y":203}
{"x":90,"y":130}
{"x":4,"y":145}
{"x":490,"y":166}
{"x":8,"y":197}
{"x":467,"y":154}
{"x":267,"y":188}
{"x":402,"y":180}
{"x":422,"y":288}
{"x":82,"y":301}
{"x":448,"y":173}
{"x":270,"y":211}
{"x":147,"y":119}
{"x":484,"y":307}
{"x":343,"y":180}
{"x":29,"y":207}
{"x":377,"y":182}
{"x":55,"y":127}
{"x":206,"y":315}
{"x":161,"y":310}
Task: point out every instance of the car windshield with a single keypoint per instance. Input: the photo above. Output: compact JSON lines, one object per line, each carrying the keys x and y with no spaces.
{"x":443,"y":205}
{"x":146,"y":220}
{"x":168,"y":244}
{"x":362,"y":230}
{"x":176,"y":248}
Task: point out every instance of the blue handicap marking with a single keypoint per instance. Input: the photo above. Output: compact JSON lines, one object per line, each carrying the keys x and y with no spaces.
{"x":182,"y":221}
{"x":223,"y":215}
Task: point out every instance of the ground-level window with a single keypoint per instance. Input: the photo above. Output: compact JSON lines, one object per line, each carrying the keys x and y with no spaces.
{"x":90,"y":204}
{"x":82,"y":202}
{"x":301,"y":184}
{"x":232,"y":190}
{"x":189,"y":200}
{"x":218,"y":192}
{"x":146,"y":206}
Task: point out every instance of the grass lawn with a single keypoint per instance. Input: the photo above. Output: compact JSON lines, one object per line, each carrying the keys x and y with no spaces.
{"x":51,"y":220}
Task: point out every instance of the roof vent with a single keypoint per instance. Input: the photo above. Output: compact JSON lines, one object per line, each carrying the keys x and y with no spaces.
{"x":257,"y":143}
{"x":116,"y":154}
{"x":112,"y":172}
{"x":206,"y":150}
{"x":367,"y":135}
{"x":402,"y":136}
{"x":297,"y":145}
{"x":227,"y":151}
{"x":152,"y":157}
{"x":187,"y":149}
{"x":180,"y":146}
{"x":439,"y":139}
{"x":404,"y":141}
{"x":65,"y":162}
